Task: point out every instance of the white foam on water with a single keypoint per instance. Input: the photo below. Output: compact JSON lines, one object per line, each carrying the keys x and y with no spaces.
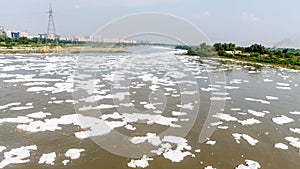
{"x":130,"y":127}
{"x":215,"y":85}
{"x":186,"y":106}
{"x":281,"y":146}
{"x":282,"y":120}
{"x":236,"y":81}
{"x":225,"y":117}
{"x":253,"y":72}
{"x":127,"y":104}
{"x":175,"y":155}
{"x":248,"y":138}
{"x":197,"y":151}
{"x":272,"y":98}
{"x":10,"y":105}
{"x":209,"y":89}
{"x":220,"y":93}
{"x":39,"y":89}
{"x":283,"y":87}
{"x":176,"y":113}
{"x":48,"y":158}
{"x":149,"y":106}
{"x":36,"y":84}
{"x":295,"y":112}
{"x":223,"y":127}
{"x":150,"y":137}
{"x":2,"y":148}
{"x":231,"y":87}
{"x":220,"y":98}
{"x":268,"y":80}
{"x":211,"y":142}
{"x":71,"y":101}
{"x":295,"y":130}
{"x":235,"y":109}
{"x":74,"y":153}
{"x":293,"y":141}
{"x":255,"y":113}
{"x":95,"y":98}
{"x":201,"y":77}
{"x":250,"y":164}
{"x":17,"y":155}
{"x":189,"y":92}
{"x":216,"y":123}
{"x":102,"y":106}
{"x":140,"y":163}
{"x":249,"y":122}
{"x":257,"y":100}
{"x":209,"y":167}
{"x":65,"y":162}
{"x":96,"y":126}
{"x":21,"y":108}
{"x":150,"y":119}
{"x":39,"y":115}
{"x":19,"y":119}
{"x":283,"y":84}
{"x":114,"y":115}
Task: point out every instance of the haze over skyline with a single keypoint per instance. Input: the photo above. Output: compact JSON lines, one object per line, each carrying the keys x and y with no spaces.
{"x":238,"y":21}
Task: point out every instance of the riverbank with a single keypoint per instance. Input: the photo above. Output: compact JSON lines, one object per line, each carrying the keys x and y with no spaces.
{"x":71,"y":49}
{"x":283,"y":57}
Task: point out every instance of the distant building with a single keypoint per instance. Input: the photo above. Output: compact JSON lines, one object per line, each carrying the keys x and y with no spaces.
{"x":42,"y":35}
{"x":111,"y":40}
{"x":95,"y":38}
{"x":65,"y":38}
{"x":82,"y":38}
{"x":24,"y":34}
{"x":1,"y":31}
{"x":8,"y":33}
{"x":31,"y":37}
{"x":15,"y":35}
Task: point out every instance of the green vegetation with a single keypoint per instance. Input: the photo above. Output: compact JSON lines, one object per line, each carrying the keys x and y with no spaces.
{"x":254,"y":53}
{"x":34,"y":42}
{"x":203,"y":50}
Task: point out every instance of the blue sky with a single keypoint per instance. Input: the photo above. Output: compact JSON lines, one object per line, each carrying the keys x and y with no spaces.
{"x":240,"y":21}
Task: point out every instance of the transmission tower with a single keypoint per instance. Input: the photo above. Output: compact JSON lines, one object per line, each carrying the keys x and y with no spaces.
{"x":51,"y":27}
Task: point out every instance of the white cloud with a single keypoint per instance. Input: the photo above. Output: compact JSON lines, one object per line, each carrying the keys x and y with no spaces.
{"x":250,"y":18}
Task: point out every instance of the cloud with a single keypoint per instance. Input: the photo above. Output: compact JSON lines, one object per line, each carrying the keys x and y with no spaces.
{"x":249,"y":18}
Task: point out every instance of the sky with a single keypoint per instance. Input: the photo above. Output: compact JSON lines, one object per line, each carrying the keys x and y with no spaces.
{"x":244,"y":22}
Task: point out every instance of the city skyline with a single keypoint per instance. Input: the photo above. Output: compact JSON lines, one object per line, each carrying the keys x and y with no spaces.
{"x":269,"y":22}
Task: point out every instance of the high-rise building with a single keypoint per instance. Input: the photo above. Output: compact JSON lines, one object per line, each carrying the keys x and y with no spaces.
{"x":15,"y":35}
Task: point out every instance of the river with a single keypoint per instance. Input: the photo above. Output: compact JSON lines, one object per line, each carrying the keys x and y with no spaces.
{"x":150,"y":107}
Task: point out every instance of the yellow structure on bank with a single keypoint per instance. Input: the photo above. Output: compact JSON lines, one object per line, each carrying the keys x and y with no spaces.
{"x":57,"y":49}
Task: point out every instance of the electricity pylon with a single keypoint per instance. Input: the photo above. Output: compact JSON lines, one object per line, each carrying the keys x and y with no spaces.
{"x":51,"y":27}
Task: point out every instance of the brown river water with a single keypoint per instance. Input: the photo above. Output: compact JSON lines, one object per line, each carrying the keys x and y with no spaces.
{"x":147,"y":108}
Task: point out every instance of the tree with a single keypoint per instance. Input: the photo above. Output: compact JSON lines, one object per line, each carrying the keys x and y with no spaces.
{"x":218,"y":47}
